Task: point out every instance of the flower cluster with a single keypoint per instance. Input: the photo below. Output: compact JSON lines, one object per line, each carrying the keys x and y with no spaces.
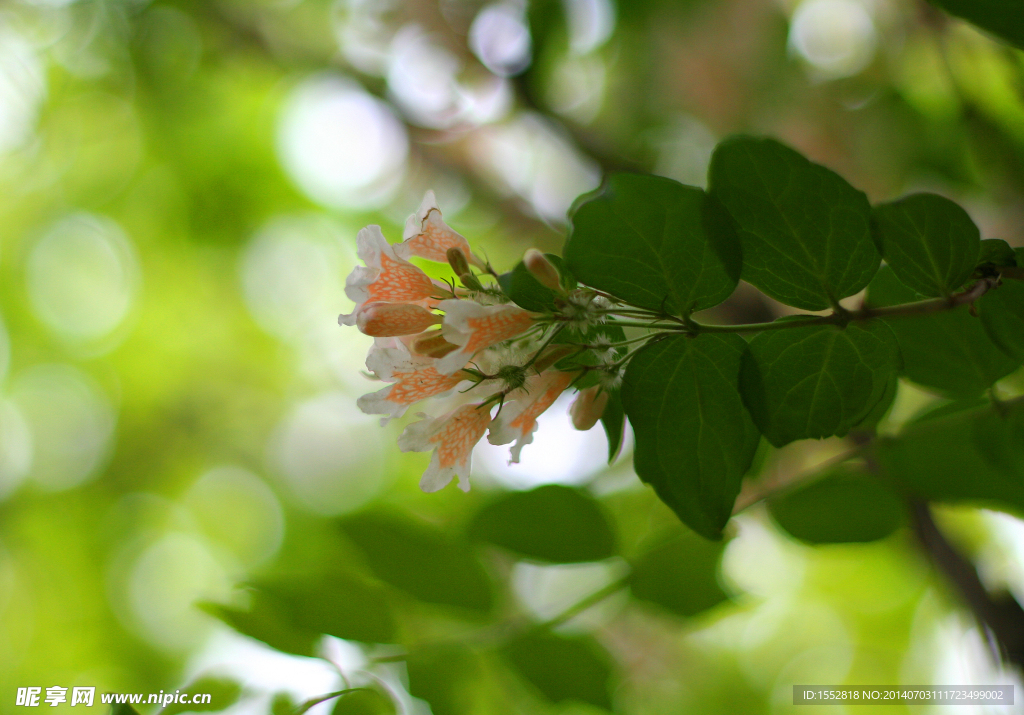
{"x":490,"y":364}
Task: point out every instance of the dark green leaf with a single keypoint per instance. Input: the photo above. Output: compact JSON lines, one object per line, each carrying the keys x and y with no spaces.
{"x":549,"y":523}
{"x":527,"y":292}
{"x":562,"y":668}
{"x":679,"y":574}
{"x":948,"y":351}
{"x":420,"y":559}
{"x":971,"y":456}
{"x":1002,"y":18}
{"x":1002,"y":315}
{"x":881,"y":408}
{"x":694,"y":438}
{"x":223,"y":693}
{"x":844,"y":506}
{"x":655,"y":243}
{"x":805,"y":231}
{"x":996,"y":252}
{"x":364,"y":701}
{"x":266,"y":621}
{"x":818,"y":380}
{"x":440,"y":675}
{"x":614,"y":422}
{"x":930,"y":242}
{"x":337,"y":605}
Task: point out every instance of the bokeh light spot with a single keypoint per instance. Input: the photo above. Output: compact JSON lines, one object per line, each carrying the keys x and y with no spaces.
{"x":341,"y":146}
{"x":70,"y":421}
{"x":329,"y":454}
{"x":500,"y":38}
{"x":165,"y":583}
{"x":22,"y":89}
{"x":236,"y":509}
{"x":82,"y":277}
{"x":837,"y":37}
{"x":15,"y":448}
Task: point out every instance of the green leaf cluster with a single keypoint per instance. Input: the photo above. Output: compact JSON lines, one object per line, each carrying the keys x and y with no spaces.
{"x":944,"y":310}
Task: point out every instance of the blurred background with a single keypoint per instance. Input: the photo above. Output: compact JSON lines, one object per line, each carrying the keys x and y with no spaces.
{"x":181,"y":183}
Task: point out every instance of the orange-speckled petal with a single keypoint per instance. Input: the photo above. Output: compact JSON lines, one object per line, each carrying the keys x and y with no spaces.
{"x":460,"y":433}
{"x":395,"y":319}
{"x":399,"y":282}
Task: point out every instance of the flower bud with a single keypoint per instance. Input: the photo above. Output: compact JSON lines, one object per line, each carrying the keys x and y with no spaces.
{"x":588,"y":407}
{"x":542,"y":269}
{"x":470,"y":281}
{"x":457,"y":260}
{"x":383,"y":320}
{"x":433,"y":345}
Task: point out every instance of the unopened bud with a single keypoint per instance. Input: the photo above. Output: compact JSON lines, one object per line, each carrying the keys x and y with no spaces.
{"x":433,"y":345}
{"x":384,"y":320}
{"x":457,"y":260}
{"x":542,"y":269}
{"x":588,"y":407}
{"x":470,"y":281}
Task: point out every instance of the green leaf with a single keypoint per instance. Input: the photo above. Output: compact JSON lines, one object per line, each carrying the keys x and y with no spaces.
{"x":267,"y":621}
{"x":816,"y":381}
{"x":529,"y":293}
{"x":881,"y":408}
{"x":1002,"y":315}
{"x":422,"y":560}
{"x":614,"y":422}
{"x":1002,"y":18}
{"x":930,"y":242}
{"x":336,"y":605}
{"x":971,"y":456}
{"x":844,"y":506}
{"x":550,"y":523}
{"x":123,"y":709}
{"x":694,"y":438}
{"x":679,"y":574}
{"x":223,"y":693}
{"x":282,"y":704}
{"x":805,"y":231}
{"x":440,"y":675}
{"x":655,"y":243}
{"x":562,"y":668}
{"x":363,"y":701}
{"x":996,"y":252}
{"x":948,"y":351}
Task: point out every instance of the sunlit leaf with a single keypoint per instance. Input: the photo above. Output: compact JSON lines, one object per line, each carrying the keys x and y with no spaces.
{"x":562,"y":668}
{"x":694,"y":438}
{"x":930,"y":242}
{"x":655,"y":243}
{"x":422,"y":560}
{"x":843,"y":506}
{"x":818,"y":380}
{"x":223,"y":693}
{"x":440,"y":675}
{"x":805,"y":231}
{"x":364,"y":701}
{"x":550,"y":523}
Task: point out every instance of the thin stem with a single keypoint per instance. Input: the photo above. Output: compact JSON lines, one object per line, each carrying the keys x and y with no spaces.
{"x":754,"y":492}
{"x":313,"y":702}
{"x":547,"y":342}
{"x":923,"y":307}
{"x":584,"y":603}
